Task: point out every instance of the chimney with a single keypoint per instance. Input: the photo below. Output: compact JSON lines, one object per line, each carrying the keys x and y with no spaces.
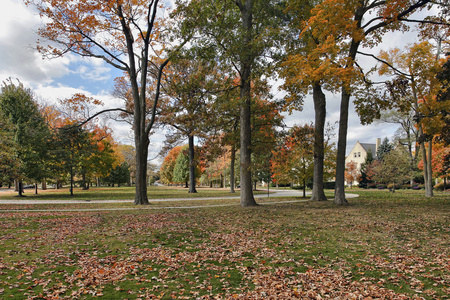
{"x":377,"y":145}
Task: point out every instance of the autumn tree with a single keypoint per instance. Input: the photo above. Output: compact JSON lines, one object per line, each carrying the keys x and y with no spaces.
{"x":351,"y":172}
{"x":345,"y":26}
{"x":310,"y":51}
{"x":294,"y":160}
{"x":239,"y":32}
{"x":394,"y":168}
{"x":190,"y":83}
{"x":168,"y":165}
{"x":415,"y":91}
{"x":122,"y":33}
{"x":444,"y":96}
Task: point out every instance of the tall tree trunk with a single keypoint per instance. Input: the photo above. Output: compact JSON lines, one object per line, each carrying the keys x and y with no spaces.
{"x":304,"y":188}
{"x":319,"y":127}
{"x":71,"y":181}
{"x":20,"y":188}
{"x":192,"y":180}
{"x":142,"y":142}
{"x":339,"y":194}
{"x":233,"y":158}
{"x":429,"y":182}
{"x":247,"y":198}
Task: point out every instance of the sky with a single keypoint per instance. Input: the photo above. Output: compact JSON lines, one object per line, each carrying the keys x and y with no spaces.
{"x":60,"y":78}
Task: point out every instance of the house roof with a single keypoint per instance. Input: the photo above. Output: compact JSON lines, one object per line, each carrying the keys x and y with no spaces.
{"x":372,"y":147}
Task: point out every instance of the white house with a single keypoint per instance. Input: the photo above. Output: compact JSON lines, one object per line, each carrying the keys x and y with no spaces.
{"x":359,"y":153}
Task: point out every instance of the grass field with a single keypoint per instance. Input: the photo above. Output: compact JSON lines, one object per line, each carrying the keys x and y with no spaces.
{"x":384,"y":245}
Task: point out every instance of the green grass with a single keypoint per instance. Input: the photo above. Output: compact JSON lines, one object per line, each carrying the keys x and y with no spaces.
{"x":382,"y":245}
{"x":116,"y":193}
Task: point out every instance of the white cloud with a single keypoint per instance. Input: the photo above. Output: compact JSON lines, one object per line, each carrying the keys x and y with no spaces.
{"x":17,"y":40}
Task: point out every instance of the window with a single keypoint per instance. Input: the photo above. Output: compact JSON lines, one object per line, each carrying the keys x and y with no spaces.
{"x":355,"y":154}
{"x":359,"y":154}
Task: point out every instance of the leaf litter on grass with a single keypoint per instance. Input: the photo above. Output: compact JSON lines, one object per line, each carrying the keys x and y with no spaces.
{"x":295,"y":251}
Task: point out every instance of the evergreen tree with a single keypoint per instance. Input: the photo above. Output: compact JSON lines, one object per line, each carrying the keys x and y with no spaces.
{"x":30,"y":132}
{"x":364,"y":181}
{"x":384,"y":149}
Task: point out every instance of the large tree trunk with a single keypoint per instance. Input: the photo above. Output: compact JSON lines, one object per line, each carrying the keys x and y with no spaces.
{"x":20,"y":188}
{"x":233,"y":158}
{"x":191,"y":165}
{"x":142,"y":143}
{"x":247,"y":198}
{"x":319,"y":128}
{"x":429,"y":167}
{"x":71,"y":181}
{"x":339,"y":194}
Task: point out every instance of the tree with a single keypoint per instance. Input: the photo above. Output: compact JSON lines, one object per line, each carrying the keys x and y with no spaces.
{"x":240,"y":33}
{"x":294,"y":160}
{"x":444,"y":96}
{"x":122,"y":33}
{"x":384,"y":148}
{"x":120,"y":174}
{"x":9,"y":166}
{"x":364,"y":180}
{"x":103,"y":157}
{"x":182,"y":167}
{"x":311,"y":52}
{"x":30,"y":132}
{"x":71,"y":145}
{"x":345,"y":26}
{"x":393,"y":169}
{"x":416,"y":69}
{"x":168,"y":165}
{"x":190,"y":83}
{"x":351,"y":172}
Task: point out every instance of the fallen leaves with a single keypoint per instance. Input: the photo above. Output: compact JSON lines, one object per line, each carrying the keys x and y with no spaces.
{"x":283,"y":252}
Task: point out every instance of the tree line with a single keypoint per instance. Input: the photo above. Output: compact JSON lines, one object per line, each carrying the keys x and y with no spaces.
{"x":44,"y":144}
{"x":313,"y":46}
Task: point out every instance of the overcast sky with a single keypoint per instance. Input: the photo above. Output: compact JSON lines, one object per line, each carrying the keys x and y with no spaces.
{"x":61,"y":78}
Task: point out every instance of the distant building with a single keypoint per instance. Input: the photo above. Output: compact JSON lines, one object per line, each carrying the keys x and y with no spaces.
{"x":359,"y":153}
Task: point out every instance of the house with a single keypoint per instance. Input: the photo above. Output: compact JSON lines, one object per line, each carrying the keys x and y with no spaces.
{"x":359,"y":152}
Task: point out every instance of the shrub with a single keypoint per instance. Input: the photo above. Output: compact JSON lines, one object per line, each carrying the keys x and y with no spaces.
{"x":381,"y":186}
{"x":440,"y":186}
{"x":397,"y":186}
{"x":297,"y":187}
{"x":371,"y":185}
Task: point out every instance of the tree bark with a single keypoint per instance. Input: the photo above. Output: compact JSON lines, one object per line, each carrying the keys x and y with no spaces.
{"x":192,"y":180}
{"x":339,"y":193}
{"x":233,"y":158}
{"x":429,"y":182}
{"x":20,"y":187}
{"x":319,"y":127}
{"x":247,"y":198}
{"x":141,"y":142}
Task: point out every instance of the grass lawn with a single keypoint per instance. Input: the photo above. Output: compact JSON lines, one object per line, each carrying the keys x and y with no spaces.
{"x":115,"y":193}
{"x":384,"y":245}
